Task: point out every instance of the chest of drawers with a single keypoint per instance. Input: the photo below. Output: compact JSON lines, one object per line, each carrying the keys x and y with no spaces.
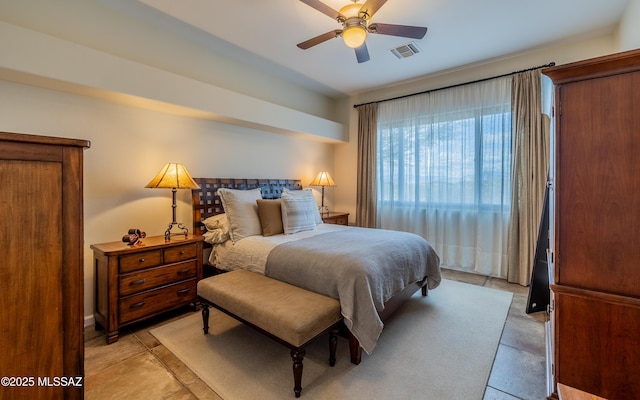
{"x":139,"y":281}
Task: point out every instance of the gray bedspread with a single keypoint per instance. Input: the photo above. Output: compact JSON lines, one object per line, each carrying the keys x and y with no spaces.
{"x":361,"y":267}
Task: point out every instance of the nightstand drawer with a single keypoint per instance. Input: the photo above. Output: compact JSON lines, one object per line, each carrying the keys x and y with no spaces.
{"x":154,"y":277}
{"x":180,"y":253}
{"x":143,"y":259}
{"x":341,"y":220}
{"x":150,"y":302}
{"x":338,"y":218}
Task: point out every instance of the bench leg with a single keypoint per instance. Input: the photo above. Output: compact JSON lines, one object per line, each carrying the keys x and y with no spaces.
{"x":424,"y":290}
{"x":333,"y":345}
{"x":297,"y":357}
{"x":205,"y":317}
{"x":354,"y":349}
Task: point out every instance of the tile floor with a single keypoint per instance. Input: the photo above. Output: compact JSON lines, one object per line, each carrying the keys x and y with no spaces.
{"x":138,"y":366}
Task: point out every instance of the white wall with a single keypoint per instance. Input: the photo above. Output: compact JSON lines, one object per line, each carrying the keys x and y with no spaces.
{"x":629,"y":33}
{"x":346,"y":154}
{"x":129,"y":145}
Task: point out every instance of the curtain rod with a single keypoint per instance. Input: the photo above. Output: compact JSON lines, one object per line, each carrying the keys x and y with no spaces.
{"x":551,"y":64}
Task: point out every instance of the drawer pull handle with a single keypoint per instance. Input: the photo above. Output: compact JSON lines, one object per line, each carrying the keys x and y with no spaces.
{"x":142,"y":260}
{"x":181,"y":252}
{"x":136,"y":305}
{"x":138,"y":282}
{"x":184,"y":271}
{"x":184,"y":291}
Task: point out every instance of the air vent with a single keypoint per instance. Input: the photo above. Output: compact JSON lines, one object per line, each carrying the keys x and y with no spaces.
{"x":405,"y":50}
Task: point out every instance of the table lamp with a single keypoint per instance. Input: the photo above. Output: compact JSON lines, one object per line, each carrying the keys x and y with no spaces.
{"x":323,"y":179}
{"x":173,"y":176}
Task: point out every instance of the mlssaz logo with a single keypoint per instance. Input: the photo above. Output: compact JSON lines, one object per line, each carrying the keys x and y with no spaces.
{"x":60,"y":381}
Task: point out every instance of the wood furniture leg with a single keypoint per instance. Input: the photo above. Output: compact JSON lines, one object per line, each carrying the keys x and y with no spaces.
{"x":354,"y":349}
{"x":205,"y":317}
{"x":333,"y":345}
{"x":112,"y":337}
{"x":297,"y":356}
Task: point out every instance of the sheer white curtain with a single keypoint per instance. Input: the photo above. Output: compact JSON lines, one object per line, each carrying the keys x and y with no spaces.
{"x":443,"y":172}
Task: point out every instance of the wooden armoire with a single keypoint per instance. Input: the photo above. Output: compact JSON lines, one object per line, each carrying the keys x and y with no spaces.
{"x":41,"y":268}
{"x":595,"y":226}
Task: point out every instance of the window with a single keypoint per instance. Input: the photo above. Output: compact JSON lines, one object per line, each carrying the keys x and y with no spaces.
{"x":444,"y":170}
{"x":459,"y":163}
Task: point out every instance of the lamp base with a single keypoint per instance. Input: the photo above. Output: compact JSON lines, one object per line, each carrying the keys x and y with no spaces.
{"x":167,"y":233}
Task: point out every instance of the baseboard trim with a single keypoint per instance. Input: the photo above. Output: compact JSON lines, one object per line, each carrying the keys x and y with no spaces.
{"x":89,"y":320}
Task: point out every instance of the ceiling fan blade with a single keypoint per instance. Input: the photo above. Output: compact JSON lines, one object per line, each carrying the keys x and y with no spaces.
{"x":371,"y":7}
{"x":362,"y":53}
{"x":323,"y":8}
{"x":414,"y":32}
{"x":319,"y":39}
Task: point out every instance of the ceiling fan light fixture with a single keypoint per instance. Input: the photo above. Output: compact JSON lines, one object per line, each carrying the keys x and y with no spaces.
{"x":354,"y":33}
{"x":351,"y":10}
{"x":354,"y":36}
{"x":354,"y":19}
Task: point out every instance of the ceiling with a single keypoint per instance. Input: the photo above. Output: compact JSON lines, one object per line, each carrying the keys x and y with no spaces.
{"x":264,"y":33}
{"x":460,"y":32}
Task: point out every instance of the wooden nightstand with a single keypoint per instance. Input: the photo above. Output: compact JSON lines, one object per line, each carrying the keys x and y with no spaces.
{"x":136,"y":282}
{"x":338,"y":218}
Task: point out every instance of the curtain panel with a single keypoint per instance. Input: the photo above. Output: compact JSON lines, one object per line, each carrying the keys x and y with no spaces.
{"x":443,"y":167}
{"x":530,"y":172}
{"x":366,"y":213}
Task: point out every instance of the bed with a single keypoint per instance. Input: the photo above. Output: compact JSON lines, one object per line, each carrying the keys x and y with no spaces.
{"x":371,"y":271}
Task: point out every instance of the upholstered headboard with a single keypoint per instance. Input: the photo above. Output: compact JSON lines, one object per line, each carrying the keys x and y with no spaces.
{"x":206,"y":202}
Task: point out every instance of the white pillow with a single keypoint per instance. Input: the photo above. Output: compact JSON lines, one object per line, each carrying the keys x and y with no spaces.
{"x":218,"y":221}
{"x":298,"y":212}
{"x":216,"y":236}
{"x":217,"y":229}
{"x":305,"y":194}
{"x":242,"y":212}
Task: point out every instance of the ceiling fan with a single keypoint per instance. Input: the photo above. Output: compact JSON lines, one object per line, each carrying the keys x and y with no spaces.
{"x":355,"y":21}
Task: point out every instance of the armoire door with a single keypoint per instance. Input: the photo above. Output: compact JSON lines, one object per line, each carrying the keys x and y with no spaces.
{"x":41,"y":272}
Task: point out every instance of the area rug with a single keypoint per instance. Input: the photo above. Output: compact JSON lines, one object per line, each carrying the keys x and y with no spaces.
{"x":437,"y":347}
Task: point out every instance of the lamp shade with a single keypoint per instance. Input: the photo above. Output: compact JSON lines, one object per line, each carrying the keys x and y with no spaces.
{"x":323,"y":179}
{"x":173,"y":176}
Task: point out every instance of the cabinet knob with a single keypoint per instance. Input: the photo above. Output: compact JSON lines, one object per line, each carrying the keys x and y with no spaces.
{"x":181,"y":252}
{"x":142,"y":260}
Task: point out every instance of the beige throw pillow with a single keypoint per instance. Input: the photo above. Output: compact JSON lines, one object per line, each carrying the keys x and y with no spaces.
{"x":270,"y":216}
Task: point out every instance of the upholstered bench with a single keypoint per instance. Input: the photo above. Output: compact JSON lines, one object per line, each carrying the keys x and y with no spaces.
{"x":285,"y":313}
